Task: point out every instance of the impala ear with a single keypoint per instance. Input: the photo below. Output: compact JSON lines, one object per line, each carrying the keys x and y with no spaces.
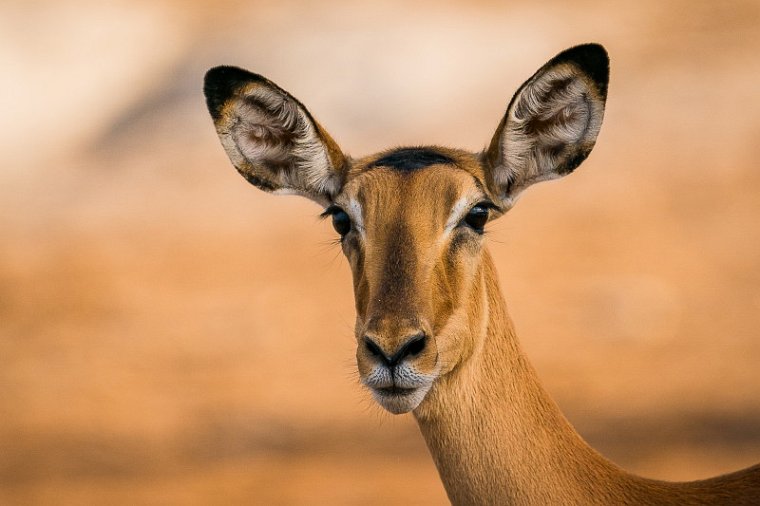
{"x":551,"y":123}
{"x":271,"y":138}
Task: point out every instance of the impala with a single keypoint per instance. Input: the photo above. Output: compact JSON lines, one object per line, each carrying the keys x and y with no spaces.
{"x":432,"y":330}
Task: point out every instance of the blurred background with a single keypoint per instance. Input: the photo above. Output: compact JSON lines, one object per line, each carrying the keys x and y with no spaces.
{"x":171,"y":335}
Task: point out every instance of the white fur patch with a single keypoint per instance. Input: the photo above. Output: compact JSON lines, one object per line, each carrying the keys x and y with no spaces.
{"x":457,"y":213}
{"x":354,"y":210}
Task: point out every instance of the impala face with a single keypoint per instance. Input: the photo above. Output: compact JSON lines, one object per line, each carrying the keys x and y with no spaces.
{"x":411,"y":225}
{"x":411,"y":220}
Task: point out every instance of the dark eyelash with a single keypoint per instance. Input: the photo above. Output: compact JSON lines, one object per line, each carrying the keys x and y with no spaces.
{"x":330,"y":211}
{"x":488,"y":205}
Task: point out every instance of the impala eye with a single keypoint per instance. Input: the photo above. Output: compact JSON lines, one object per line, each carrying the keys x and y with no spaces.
{"x":340,"y":220}
{"x":477,"y":217}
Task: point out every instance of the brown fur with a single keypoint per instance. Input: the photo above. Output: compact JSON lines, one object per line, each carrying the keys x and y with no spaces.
{"x":419,"y":270}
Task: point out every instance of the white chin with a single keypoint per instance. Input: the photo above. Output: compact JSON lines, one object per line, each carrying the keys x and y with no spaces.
{"x":398,"y":403}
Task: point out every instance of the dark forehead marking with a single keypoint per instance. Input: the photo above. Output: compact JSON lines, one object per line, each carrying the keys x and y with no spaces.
{"x":409,"y":159}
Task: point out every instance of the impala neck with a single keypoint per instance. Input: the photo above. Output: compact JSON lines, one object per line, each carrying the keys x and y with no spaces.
{"x":495,"y":435}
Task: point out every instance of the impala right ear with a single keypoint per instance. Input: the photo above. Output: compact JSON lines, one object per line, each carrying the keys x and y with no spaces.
{"x":271,"y":138}
{"x":551,"y":123}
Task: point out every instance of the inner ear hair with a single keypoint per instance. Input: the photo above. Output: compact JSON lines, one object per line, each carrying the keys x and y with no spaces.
{"x":270,"y":137}
{"x":551,"y":123}
{"x":270,"y":131}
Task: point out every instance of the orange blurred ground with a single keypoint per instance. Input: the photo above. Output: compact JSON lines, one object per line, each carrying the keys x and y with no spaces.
{"x":170,"y":335}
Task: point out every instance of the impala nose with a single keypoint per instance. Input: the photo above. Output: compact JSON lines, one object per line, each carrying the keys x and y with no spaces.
{"x":411,"y":347}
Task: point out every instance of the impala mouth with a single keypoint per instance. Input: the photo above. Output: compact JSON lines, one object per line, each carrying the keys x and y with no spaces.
{"x":395,"y":391}
{"x":398,"y":390}
{"x":397,"y":399}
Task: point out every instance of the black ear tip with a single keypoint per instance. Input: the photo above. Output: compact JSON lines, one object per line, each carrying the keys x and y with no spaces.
{"x":592,"y":59}
{"x":221,"y":82}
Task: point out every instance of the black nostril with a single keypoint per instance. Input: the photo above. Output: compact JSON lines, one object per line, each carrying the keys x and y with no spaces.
{"x":416,"y":344}
{"x":413,"y":346}
{"x":373,"y":348}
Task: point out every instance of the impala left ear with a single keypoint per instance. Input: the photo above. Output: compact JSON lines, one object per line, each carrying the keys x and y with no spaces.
{"x":271,"y":138}
{"x":551,"y":123}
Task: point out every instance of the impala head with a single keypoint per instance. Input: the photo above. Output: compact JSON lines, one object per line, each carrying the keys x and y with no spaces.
{"x":411,"y":220}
